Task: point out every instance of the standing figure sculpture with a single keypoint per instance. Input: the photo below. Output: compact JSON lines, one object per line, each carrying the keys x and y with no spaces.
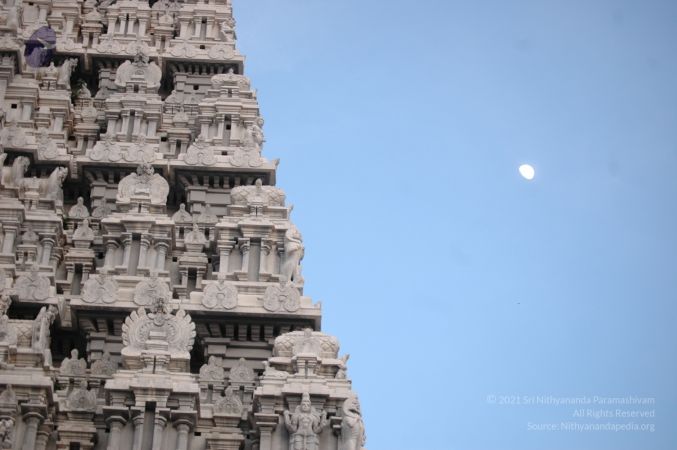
{"x":352,"y":427}
{"x":293,"y":251}
{"x":304,"y":425}
{"x":40,"y":337}
{"x":65,"y":71}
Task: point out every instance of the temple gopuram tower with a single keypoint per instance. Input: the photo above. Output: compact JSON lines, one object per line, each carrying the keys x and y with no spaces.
{"x":151,"y":294}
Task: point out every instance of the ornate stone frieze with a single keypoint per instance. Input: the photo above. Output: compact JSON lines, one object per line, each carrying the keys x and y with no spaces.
{"x":178,"y":330}
{"x":220,"y":295}
{"x":241,"y":373}
{"x":148,"y":291}
{"x":104,"y":366}
{"x":81,"y":399}
{"x":100,"y":288}
{"x":212,"y":371}
{"x":33,"y":286}
{"x":145,"y":183}
{"x":283,"y":296}
{"x":306,"y":342}
{"x":200,"y":153}
{"x":228,"y":404}
{"x":257,"y":195}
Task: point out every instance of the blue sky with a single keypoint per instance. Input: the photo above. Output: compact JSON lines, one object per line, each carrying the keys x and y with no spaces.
{"x":454,"y":284}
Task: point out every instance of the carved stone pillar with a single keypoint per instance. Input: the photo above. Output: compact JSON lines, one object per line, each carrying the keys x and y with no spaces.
{"x":138,"y":430}
{"x":10,"y":237}
{"x":225,"y":248}
{"x":111,"y":247}
{"x":116,"y":424}
{"x":182,"y":429}
{"x":143,"y":250}
{"x":32,"y":420}
{"x":244,"y":245}
{"x":161,"y":257}
{"x":127,"y":246}
{"x":158,"y":431}
{"x":47,"y":246}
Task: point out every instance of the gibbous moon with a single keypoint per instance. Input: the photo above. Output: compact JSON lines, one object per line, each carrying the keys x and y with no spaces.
{"x":527,"y":171}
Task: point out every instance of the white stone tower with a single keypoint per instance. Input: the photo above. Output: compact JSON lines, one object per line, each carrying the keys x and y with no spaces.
{"x":151,"y":294}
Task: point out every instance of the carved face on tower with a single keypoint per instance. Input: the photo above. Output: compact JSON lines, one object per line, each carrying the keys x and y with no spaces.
{"x":305,"y":403}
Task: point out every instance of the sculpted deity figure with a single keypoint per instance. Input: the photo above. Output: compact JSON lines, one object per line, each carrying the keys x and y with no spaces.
{"x":8,"y":333}
{"x":83,"y":232}
{"x":6,"y":433}
{"x":213,"y":370}
{"x":228,"y":29}
{"x":40,"y":336}
{"x":104,"y":366}
{"x":342,"y":373}
{"x":73,"y":366}
{"x":195,"y":236}
{"x":33,"y":285}
{"x":352,"y":435}
{"x":15,"y":176}
{"x":65,"y":71}
{"x":182,"y":215}
{"x":207,"y":216}
{"x":79,"y":210}
{"x":304,"y":425}
{"x":51,"y":188}
{"x":293,"y":251}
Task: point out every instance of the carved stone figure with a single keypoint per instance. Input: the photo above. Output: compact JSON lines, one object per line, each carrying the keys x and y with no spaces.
{"x":220,"y":294}
{"x":33,"y":286}
{"x":40,"y":335}
{"x":228,"y":404}
{"x":13,"y":136}
{"x":352,"y":435}
{"x":8,"y":333}
{"x":81,"y":399}
{"x":148,"y":291}
{"x":207,"y":216}
{"x":212,"y":371}
{"x":105,"y":366}
{"x":241,"y":373}
{"x":195,"y":236}
{"x":342,"y":374}
{"x":100,"y":288}
{"x":271,"y":372}
{"x":106,"y":149}
{"x":304,"y":425}
{"x":83,"y":232}
{"x":15,"y":176}
{"x":281,"y":296}
{"x":79,"y":210}
{"x":182,"y":215}
{"x":6,"y":433}
{"x":101,"y":211}
{"x":144,"y":183}
{"x":73,"y":366}
{"x":8,"y":397}
{"x":293,"y":251}
{"x":51,"y":188}
{"x":65,"y":71}
{"x":47,"y":148}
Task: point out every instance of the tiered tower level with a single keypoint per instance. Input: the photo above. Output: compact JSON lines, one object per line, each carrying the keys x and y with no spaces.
{"x":151,"y":289}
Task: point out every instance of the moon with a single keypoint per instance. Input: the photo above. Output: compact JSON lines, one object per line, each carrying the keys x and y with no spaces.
{"x":527,"y":171}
